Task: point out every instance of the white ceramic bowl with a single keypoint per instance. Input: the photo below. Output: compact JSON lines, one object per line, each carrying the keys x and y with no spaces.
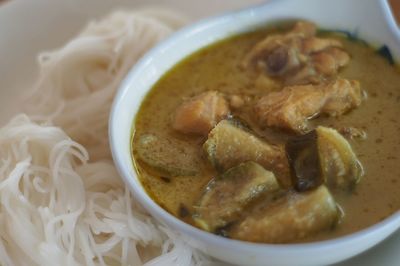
{"x":370,"y":20}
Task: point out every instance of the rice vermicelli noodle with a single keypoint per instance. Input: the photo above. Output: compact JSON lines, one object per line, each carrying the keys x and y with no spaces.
{"x":62,"y":201}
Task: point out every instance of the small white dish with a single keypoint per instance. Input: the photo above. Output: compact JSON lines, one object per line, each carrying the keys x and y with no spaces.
{"x":369,"y":20}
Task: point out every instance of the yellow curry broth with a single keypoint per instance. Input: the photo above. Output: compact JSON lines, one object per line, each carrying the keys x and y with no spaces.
{"x":217,"y":67}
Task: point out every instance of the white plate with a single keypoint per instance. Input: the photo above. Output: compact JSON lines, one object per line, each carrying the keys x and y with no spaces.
{"x":28,"y":27}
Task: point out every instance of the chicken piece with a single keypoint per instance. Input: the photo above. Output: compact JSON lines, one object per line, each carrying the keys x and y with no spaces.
{"x":319,"y":67}
{"x":322,"y":156}
{"x":289,"y":218}
{"x":201,"y":113}
{"x":303,"y":76}
{"x":329,"y":61}
{"x":304,"y":29}
{"x":313,"y":45}
{"x":297,"y":57}
{"x":236,"y":102}
{"x":267,"y":84}
{"x":275,"y":55}
{"x":280,"y":52}
{"x":322,"y":64}
{"x":169,"y":156}
{"x":341,"y":96}
{"x":226,"y":196}
{"x":291,"y":107}
{"x":229,"y":145}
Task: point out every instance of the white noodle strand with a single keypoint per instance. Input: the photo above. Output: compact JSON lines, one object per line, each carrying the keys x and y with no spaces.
{"x":61,"y":199}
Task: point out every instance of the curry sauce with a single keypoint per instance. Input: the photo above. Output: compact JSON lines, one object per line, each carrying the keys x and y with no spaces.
{"x":218,"y":68}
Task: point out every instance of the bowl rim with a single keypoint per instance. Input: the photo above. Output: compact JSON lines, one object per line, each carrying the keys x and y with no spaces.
{"x":165,"y":217}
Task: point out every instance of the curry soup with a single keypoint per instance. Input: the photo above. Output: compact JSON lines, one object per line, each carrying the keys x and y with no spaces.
{"x":219,"y":67}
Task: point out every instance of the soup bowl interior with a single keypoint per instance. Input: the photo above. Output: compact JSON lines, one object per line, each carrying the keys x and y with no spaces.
{"x":377,"y":28}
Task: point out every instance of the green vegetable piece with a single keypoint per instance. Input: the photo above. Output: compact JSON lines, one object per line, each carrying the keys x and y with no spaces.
{"x":322,"y":156}
{"x":226,"y":196}
{"x":229,"y":145}
{"x":291,"y":217}
{"x":171,"y":157}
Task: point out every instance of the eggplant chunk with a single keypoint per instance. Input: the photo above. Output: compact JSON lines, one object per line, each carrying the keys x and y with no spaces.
{"x":303,"y":157}
{"x":169,"y":156}
{"x":229,"y":145}
{"x":289,"y":218}
{"x":322,"y":156}
{"x":226,"y":196}
{"x":339,"y":164}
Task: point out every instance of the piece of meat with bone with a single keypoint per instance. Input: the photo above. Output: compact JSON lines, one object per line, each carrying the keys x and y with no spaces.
{"x":313,"y":44}
{"x":291,"y":217}
{"x":199,"y":114}
{"x":329,"y":61}
{"x":290,"y":108}
{"x":229,"y":144}
{"x":297,"y":57}
{"x":323,"y":64}
{"x":275,"y":48}
{"x":304,"y":29}
{"x":275,"y":55}
{"x":341,"y":96}
{"x":293,"y":106}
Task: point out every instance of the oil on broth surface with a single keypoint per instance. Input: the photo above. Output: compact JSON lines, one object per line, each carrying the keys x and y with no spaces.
{"x":217,"y":68}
